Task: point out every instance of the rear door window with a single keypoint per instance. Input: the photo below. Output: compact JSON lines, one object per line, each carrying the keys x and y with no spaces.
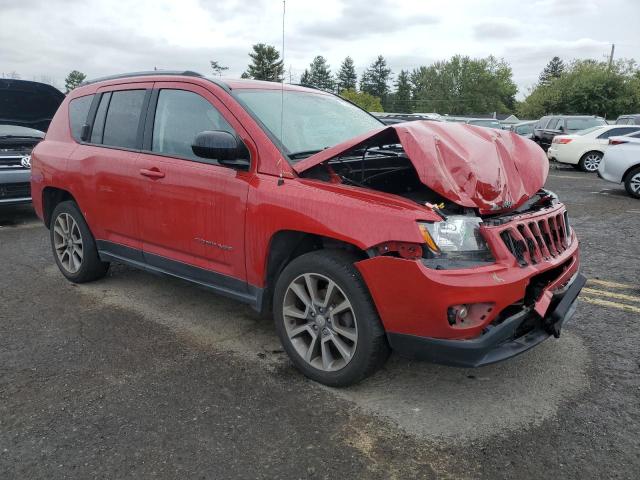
{"x":78,"y":111}
{"x":123,"y":118}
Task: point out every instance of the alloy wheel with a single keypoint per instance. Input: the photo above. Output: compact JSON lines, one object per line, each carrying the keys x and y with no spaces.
{"x":591,"y":162}
{"x":67,"y":242}
{"x":634,"y":184}
{"x":320,"y":322}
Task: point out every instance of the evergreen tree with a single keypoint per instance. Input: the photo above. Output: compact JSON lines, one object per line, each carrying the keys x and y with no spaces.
{"x":74,"y":79}
{"x":375,"y":79}
{"x":305,"y":78}
{"x":265,"y":64}
{"x":318,"y":75}
{"x":347,"y":77}
{"x":553,"y":70}
{"x":402,"y":94}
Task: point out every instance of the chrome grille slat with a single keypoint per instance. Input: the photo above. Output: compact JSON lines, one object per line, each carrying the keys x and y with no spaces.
{"x":11,"y":162}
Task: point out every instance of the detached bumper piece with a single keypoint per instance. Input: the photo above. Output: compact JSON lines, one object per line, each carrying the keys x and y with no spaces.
{"x":499,"y":342}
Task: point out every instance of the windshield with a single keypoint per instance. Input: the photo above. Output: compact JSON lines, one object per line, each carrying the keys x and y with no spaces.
{"x":312,"y":121}
{"x":588,"y":130}
{"x":575,"y":124}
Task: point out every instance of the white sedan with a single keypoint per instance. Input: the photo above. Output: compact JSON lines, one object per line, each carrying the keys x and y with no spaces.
{"x":584,"y":149}
{"x":621,"y":163}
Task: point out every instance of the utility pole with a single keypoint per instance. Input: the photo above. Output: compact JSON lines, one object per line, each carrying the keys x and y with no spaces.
{"x":613,"y":49}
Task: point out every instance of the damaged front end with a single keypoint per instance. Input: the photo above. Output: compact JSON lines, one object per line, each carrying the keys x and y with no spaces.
{"x":497,"y":274}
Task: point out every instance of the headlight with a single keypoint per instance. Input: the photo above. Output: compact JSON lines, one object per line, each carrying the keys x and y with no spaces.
{"x":456,"y":238}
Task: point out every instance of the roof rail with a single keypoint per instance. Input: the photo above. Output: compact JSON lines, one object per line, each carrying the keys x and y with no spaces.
{"x":145,"y":73}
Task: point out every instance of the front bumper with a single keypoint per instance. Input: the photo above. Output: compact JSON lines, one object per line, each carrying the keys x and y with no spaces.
{"x":15,"y":187}
{"x":516,"y":334}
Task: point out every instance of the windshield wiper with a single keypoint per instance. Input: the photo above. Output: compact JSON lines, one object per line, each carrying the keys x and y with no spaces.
{"x":303,"y":154}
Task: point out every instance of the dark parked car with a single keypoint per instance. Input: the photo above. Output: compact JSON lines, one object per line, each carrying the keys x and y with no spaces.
{"x":628,"y":119}
{"x":26,"y":108}
{"x":551,"y":125}
{"x":524,"y":129}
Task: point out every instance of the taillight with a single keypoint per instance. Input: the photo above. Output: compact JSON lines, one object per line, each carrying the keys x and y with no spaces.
{"x":561,"y":140}
{"x":617,"y":142}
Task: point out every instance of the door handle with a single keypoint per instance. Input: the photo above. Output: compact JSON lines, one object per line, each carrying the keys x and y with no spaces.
{"x":151,"y":173}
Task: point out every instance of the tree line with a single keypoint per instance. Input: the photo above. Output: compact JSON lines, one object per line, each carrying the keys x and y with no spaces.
{"x":460,"y":85}
{"x":456,"y":86}
{"x":590,"y":87}
{"x":463,"y":85}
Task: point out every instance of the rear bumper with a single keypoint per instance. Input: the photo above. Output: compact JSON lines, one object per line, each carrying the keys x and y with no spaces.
{"x":515,"y":335}
{"x":561,"y":155}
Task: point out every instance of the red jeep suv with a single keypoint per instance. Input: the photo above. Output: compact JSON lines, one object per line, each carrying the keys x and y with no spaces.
{"x":433,"y":239}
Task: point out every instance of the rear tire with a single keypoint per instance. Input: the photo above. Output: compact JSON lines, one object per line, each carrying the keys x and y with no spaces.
{"x":73,"y":245}
{"x":632,"y":183}
{"x":326,"y":320}
{"x":590,"y":162}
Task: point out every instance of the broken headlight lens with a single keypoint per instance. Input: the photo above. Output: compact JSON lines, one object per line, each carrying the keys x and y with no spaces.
{"x":457,"y":237}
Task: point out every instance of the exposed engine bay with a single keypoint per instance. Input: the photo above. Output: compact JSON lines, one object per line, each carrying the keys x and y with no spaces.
{"x":388,"y":169}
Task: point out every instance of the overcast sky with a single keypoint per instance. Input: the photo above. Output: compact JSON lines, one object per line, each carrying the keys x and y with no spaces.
{"x":45,"y":39}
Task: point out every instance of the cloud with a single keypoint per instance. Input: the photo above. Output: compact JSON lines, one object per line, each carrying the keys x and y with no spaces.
{"x":528,"y":59}
{"x":103,"y":37}
{"x":568,"y":7}
{"x":360,"y":18}
{"x":497,"y":28}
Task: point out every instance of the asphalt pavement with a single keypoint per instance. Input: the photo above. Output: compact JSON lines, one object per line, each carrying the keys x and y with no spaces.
{"x":140,"y":376}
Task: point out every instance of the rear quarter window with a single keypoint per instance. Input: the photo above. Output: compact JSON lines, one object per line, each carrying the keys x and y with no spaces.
{"x":78,"y":111}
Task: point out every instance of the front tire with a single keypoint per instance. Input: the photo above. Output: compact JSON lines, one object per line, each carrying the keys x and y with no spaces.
{"x":632,"y":183}
{"x":590,"y":162}
{"x":73,"y":245}
{"x":326,"y":320}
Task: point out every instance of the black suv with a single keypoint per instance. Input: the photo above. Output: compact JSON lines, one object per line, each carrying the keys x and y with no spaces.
{"x":551,"y":125}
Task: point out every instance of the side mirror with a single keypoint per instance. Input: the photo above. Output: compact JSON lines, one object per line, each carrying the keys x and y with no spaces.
{"x":561,"y":128}
{"x":223,"y":147}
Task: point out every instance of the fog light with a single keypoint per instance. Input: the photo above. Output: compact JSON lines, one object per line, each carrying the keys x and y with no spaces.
{"x":457,"y":313}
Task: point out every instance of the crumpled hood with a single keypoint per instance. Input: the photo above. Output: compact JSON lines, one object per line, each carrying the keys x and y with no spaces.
{"x":475,"y":167}
{"x":28,"y":104}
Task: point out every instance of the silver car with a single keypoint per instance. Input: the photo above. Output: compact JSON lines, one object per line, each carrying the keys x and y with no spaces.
{"x":621,"y":163}
{"x":26,"y":108}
